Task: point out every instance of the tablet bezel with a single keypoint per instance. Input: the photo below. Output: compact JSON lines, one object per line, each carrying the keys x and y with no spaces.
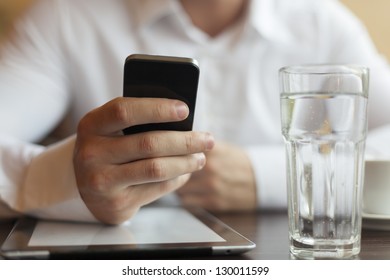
{"x":16,"y":245}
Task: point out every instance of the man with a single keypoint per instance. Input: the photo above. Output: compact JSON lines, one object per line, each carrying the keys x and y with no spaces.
{"x":61,"y":75}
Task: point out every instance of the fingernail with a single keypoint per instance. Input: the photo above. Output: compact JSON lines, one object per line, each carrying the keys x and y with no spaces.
{"x":209,"y":142}
{"x":181,"y":110}
{"x":201,"y":160}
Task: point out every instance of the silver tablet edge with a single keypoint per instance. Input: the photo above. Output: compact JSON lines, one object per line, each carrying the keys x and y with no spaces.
{"x":232,"y":250}
{"x":41,"y":255}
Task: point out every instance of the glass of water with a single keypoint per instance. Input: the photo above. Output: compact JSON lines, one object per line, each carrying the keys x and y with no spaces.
{"x":324,"y":125}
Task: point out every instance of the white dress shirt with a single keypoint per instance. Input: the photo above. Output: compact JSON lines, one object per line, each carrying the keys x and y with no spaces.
{"x":66,"y":58}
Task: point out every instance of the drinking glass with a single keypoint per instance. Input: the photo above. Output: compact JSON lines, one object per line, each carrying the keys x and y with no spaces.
{"x":324,"y":125}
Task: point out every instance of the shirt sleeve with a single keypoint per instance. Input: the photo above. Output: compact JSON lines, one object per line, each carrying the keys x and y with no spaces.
{"x":269,"y":165}
{"x":34,"y":97}
{"x":34,"y":86}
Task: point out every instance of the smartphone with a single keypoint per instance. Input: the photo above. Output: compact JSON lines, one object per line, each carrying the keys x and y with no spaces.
{"x":162,"y":77}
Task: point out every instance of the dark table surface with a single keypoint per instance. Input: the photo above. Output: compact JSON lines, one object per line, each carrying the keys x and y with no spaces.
{"x":270,"y":233}
{"x":269,"y":230}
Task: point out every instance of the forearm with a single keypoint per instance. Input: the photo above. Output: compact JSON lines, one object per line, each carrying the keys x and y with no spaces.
{"x":40,"y":181}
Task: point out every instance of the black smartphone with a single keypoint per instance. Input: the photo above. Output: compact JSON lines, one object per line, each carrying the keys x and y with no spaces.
{"x":162,"y":77}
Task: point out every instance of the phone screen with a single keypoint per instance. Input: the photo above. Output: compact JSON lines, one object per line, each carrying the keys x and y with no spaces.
{"x":162,"y":77}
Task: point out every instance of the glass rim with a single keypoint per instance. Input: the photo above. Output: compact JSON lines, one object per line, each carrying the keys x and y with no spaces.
{"x":323,"y":69}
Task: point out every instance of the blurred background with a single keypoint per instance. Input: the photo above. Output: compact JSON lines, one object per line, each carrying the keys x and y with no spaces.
{"x":374,"y":13}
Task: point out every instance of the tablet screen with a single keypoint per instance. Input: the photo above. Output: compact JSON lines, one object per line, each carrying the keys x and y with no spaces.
{"x":150,"y":225}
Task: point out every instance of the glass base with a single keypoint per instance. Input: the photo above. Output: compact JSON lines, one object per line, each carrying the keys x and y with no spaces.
{"x":324,"y":249}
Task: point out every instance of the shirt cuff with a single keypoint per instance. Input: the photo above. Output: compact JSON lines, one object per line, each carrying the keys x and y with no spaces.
{"x":50,"y":189}
{"x":269,"y":165}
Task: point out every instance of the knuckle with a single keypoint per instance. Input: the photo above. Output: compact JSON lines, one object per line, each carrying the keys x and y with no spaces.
{"x":98,"y":181}
{"x":148,"y":144}
{"x":155,"y":170}
{"x":189,"y":143}
{"x":85,"y":154}
{"x":83,"y":124}
{"x":121,"y":113}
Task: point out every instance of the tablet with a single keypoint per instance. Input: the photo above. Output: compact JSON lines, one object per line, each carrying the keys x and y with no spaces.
{"x":154,"y":232}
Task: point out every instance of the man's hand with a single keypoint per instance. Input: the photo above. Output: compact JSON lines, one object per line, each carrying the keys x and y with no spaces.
{"x":226,"y":183}
{"x":117,"y":174}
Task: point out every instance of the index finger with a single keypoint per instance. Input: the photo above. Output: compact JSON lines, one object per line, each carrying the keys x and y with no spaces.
{"x":123,"y":112}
